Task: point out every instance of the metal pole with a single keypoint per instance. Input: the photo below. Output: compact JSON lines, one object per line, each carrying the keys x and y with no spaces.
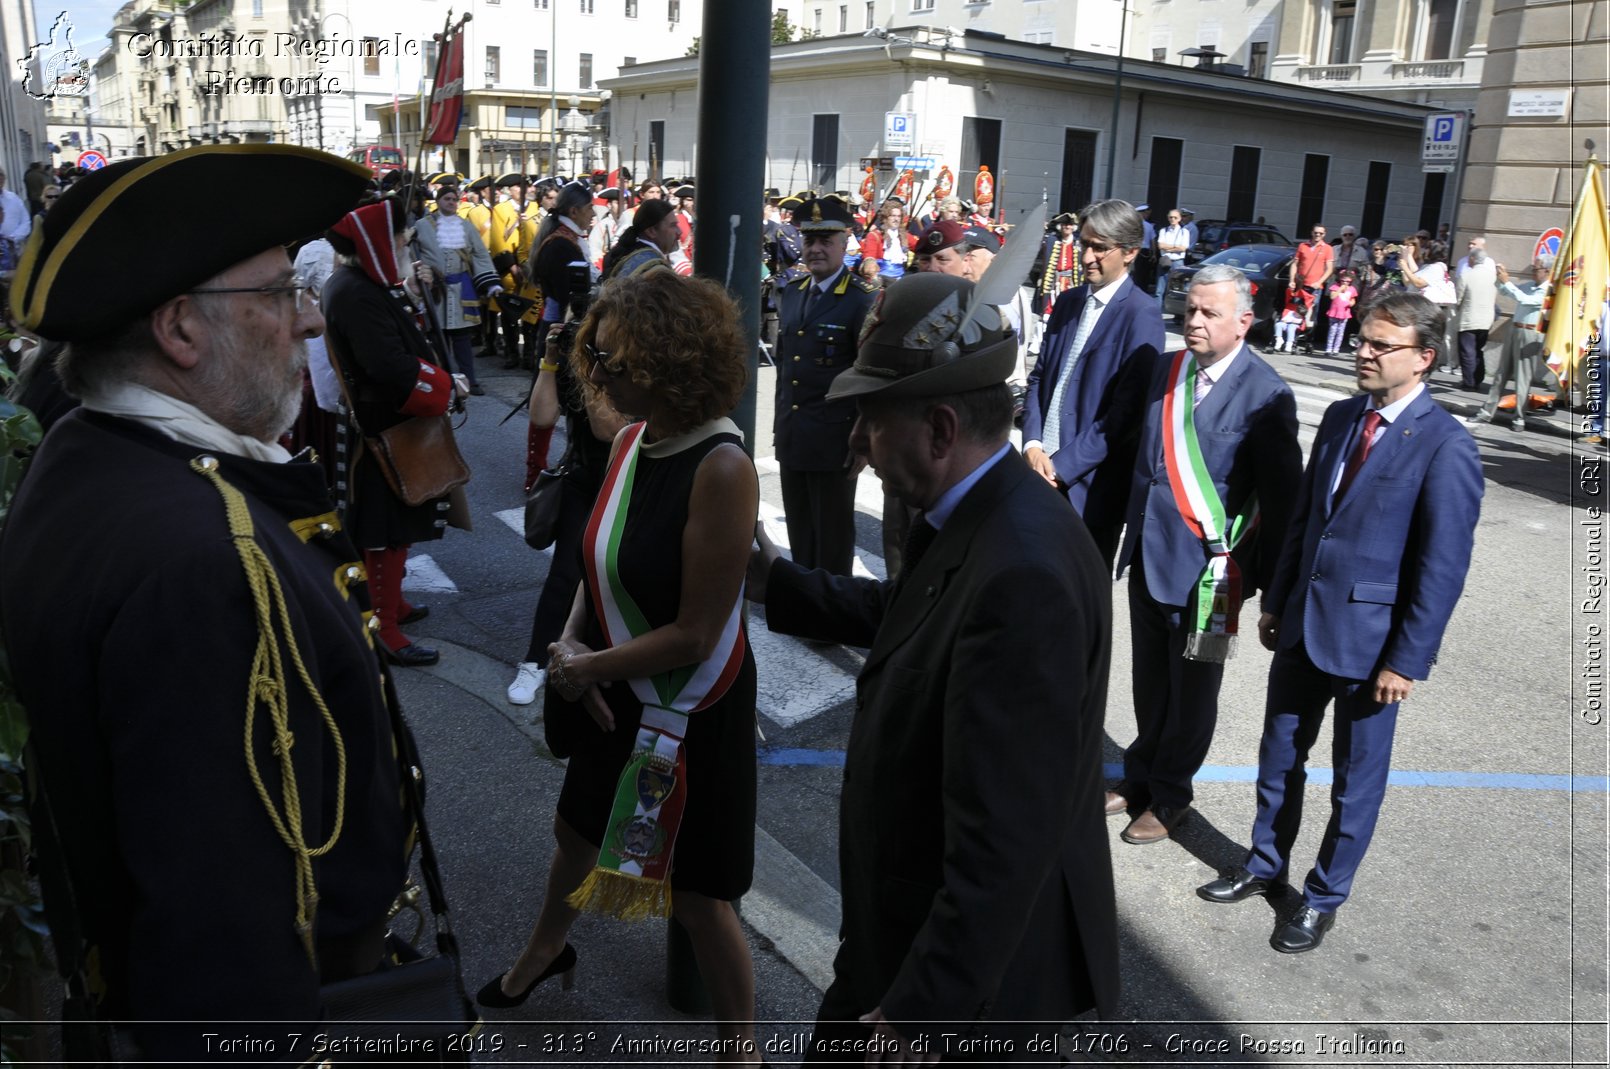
{"x":734,"y":79}
{"x":553,"y":87}
{"x":1117,"y":96}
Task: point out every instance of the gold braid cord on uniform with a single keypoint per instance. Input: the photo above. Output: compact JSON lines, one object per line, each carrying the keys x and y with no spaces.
{"x":268,"y":688}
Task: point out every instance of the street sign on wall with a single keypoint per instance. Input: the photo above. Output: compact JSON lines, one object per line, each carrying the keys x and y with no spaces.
{"x":899,"y":129}
{"x":1444,"y":139}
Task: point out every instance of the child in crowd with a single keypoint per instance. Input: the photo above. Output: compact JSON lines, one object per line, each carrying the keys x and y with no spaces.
{"x":1343,"y":296}
{"x":1291,"y":320}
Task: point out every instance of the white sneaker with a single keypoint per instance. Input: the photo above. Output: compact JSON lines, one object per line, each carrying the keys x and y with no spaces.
{"x":527,"y":681}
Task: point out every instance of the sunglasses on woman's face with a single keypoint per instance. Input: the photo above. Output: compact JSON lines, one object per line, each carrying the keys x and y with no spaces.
{"x":601,"y":359}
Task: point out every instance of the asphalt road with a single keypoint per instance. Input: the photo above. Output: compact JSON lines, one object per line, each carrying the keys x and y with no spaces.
{"x":1477,"y":930}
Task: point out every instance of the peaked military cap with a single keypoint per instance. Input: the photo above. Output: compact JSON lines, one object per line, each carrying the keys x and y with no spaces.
{"x":914,"y":342}
{"x":823,"y":213}
{"x":128,"y":205}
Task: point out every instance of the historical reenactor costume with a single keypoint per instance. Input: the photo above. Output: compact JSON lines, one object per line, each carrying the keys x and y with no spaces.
{"x":683,"y":196}
{"x":819,"y":322}
{"x":505,"y":245}
{"x":1061,"y":264}
{"x":391,"y":375}
{"x":179,"y":600}
{"x":469,"y":279}
{"x":607,"y":227}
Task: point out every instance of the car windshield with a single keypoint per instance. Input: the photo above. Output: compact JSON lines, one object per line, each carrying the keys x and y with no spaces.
{"x":1249,"y":258}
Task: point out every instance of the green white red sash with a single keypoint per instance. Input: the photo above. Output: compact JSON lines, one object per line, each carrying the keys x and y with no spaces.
{"x":632,"y":877}
{"x":1214,"y":604}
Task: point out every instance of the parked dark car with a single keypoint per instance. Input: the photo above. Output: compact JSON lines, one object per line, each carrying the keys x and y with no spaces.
{"x":1267,"y":267}
{"x":1216,"y":235}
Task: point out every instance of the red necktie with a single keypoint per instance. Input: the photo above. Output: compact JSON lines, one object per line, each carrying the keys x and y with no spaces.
{"x":1366,"y":442}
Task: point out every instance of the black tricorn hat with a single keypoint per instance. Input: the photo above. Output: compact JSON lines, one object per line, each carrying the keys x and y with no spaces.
{"x":513,"y":178}
{"x":824,"y":213}
{"x":920,"y":341}
{"x":480,"y":185}
{"x":1065,"y":218}
{"x":129,"y":205}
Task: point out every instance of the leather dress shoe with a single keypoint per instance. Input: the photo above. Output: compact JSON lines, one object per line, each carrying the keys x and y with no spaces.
{"x":1115,"y":804}
{"x":1305,"y":931}
{"x":412,"y":655}
{"x":1236,"y":885}
{"x":1154,"y":825}
{"x":415,"y":614}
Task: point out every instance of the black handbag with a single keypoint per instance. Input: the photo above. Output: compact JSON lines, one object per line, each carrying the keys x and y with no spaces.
{"x":542,"y":505}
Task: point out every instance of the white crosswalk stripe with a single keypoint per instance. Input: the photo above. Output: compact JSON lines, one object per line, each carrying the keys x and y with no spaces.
{"x":425,"y":575}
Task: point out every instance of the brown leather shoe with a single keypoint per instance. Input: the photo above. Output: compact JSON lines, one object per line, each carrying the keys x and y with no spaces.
{"x":1153,"y":825}
{"x":1116,"y":804}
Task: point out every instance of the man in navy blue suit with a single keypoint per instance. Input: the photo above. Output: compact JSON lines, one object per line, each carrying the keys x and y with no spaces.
{"x":1087,"y":392}
{"x":1373,"y":565}
{"x":1213,"y":485}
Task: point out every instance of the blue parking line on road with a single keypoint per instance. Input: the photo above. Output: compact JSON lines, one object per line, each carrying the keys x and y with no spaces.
{"x":1494,"y":781}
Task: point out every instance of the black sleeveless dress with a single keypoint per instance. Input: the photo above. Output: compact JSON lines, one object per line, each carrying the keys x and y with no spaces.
{"x":715,"y":847}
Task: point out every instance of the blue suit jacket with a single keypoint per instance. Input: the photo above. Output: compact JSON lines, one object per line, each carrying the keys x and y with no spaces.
{"x":1247,"y":428}
{"x":1105,"y":398}
{"x":1370,"y":581}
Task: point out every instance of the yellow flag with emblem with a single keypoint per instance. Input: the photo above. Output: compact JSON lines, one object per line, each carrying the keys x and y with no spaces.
{"x":1572,"y":311}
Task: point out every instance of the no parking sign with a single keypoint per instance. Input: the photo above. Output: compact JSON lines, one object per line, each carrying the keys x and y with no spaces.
{"x":91,"y":160}
{"x":1548,"y":244}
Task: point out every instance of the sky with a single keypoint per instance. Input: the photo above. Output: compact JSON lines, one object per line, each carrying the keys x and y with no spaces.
{"x":91,"y":20}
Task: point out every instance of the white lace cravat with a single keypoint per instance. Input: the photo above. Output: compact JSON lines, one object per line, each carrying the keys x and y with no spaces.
{"x":1051,"y":434}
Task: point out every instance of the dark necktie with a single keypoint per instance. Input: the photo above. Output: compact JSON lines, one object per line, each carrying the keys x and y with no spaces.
{"x":1361,"y":452}
{"x":812,"y":292}
{"x":919,"y":537}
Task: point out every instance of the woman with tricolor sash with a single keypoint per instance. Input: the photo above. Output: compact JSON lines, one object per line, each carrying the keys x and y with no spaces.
{"x":651,"y":687}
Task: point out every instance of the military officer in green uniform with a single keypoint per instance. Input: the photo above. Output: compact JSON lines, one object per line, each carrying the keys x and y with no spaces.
{"x":820,"y":319}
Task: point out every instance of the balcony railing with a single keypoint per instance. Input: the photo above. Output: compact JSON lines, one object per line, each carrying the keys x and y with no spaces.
{"x":1339,"y":72}
{"x":1441,"y":70}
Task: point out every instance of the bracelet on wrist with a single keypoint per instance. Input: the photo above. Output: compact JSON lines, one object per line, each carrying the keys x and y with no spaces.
{"x":548,"y":366}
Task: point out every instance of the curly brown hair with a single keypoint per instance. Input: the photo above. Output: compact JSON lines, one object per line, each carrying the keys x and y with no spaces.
{"x":676,"y":336}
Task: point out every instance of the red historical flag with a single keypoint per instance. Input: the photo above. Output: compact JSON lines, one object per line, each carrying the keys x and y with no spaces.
{"x":447,"y":92}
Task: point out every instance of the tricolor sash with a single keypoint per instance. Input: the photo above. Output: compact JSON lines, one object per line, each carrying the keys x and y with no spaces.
{"x":1214,"y":604}
{"x":632,"y":879}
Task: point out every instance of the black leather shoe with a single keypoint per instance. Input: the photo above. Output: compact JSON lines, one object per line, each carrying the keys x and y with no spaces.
{"x":1236,"y":885}
{"x":416,"y":614}
{"x":564,"y":966}
{"x":412,"y":655}
{"x":1304,"y":932}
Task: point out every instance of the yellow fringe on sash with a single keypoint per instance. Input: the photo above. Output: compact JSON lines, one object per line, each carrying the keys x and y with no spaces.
{"x":622,"y":895}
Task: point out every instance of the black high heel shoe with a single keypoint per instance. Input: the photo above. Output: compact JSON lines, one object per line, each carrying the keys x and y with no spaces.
{"x":564,"y":966}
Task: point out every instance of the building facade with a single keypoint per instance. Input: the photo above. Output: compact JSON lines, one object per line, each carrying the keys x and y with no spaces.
{"x":345,"y":74}
{"x":22,"y":115}
{"x":1545,"y":98}
{"x":1041,"y":118}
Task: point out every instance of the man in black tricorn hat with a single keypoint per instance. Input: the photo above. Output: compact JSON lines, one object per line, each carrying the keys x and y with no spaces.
{"x":184,"y":615}
{"x":976,"y":879}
